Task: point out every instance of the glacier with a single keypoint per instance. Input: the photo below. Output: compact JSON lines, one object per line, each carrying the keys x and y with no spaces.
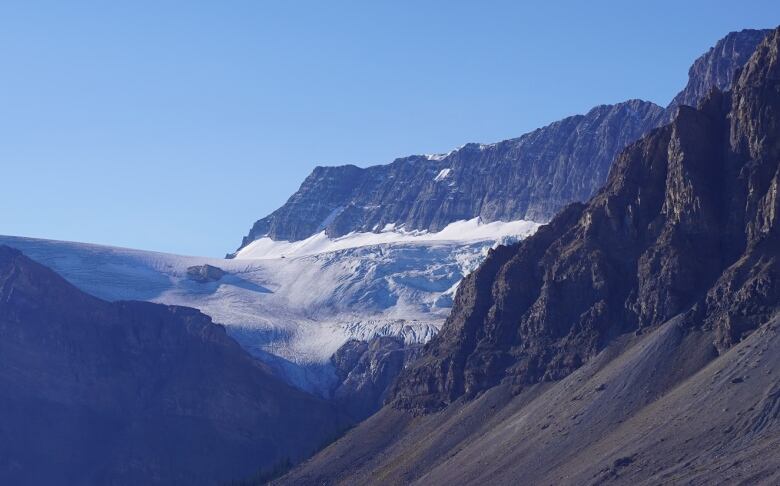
{"x":293,"y":304}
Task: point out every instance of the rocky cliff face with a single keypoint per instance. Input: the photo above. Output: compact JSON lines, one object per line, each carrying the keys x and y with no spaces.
{"x":716,"y":68}
{"x":135,"y":393}
{"x":687,"y":224}
{"x":531,"y":177}
{"x":366,"y":370}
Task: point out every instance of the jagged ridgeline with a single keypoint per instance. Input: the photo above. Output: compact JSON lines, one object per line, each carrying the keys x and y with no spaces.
{"x":527,"y":178}
{"x":632,"y":340}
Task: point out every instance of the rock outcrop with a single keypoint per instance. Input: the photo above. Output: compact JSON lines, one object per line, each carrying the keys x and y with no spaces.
{"x":205,"y":273}
{"x":136,"y":393}
{"x":366,"y":371}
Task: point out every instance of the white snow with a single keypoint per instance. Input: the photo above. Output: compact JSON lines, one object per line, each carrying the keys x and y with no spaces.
{"x":464,"y":231}
{"x":437,"y":157}
{"x":442,"y":175}
{"x":442,"y":156}
{"x":295,"y":312}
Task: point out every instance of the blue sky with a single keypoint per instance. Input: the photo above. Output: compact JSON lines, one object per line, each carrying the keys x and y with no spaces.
{"x":173,"y":126}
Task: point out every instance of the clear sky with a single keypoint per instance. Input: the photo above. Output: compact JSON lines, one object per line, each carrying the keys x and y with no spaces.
{"x":173,"y":126}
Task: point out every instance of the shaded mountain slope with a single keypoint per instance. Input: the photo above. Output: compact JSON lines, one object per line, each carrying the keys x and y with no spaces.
{"x":632,"y":415}
{"x":633,"y":339}
{"x":131,"y":392}
{"x":527,"y":178}
{"x":687,"y":223}
{"x":366,"y":370}
{"x":716,"y":67}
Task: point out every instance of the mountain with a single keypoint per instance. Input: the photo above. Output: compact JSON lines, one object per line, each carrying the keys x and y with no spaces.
{"x":527,"y":178}
{"x":632,"y":340}
{"x":136,"y":393}
{"x":294,"y":303}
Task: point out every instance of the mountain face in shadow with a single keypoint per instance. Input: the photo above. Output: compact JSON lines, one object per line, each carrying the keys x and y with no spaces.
{"x":632,"y":339}
{"x":685,"y":224}
{"x":716,"y":67}
{"x":135,"y":393}
{"x":530,"y":177}
{"x":366,"y":371}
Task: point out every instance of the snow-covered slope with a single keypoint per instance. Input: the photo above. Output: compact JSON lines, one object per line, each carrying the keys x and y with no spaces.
{"x":295,"y":311}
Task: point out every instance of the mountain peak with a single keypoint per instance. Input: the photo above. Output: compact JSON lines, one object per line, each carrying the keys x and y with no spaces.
{"x":716,"y":68}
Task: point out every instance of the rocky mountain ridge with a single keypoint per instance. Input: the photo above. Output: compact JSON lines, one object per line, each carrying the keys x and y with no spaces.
{"x":528,"y":178}
{"x":716,"y":67}
{"x":525,"y":178}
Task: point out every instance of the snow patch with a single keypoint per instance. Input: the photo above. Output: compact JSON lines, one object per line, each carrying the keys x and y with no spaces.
{"x":442,"y":175}
{"x":464,"y":231}
{"x":437,"y":157}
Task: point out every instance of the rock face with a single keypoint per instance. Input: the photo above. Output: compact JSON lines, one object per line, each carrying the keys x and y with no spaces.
{"x":135,"y":393}
{"x":366,"y":370}
{"x":716,"y":68}
{"x":205,"y":273}
{"x":633,"y":340}
{"x":687,"y":223}
{"x":531,"y":177}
